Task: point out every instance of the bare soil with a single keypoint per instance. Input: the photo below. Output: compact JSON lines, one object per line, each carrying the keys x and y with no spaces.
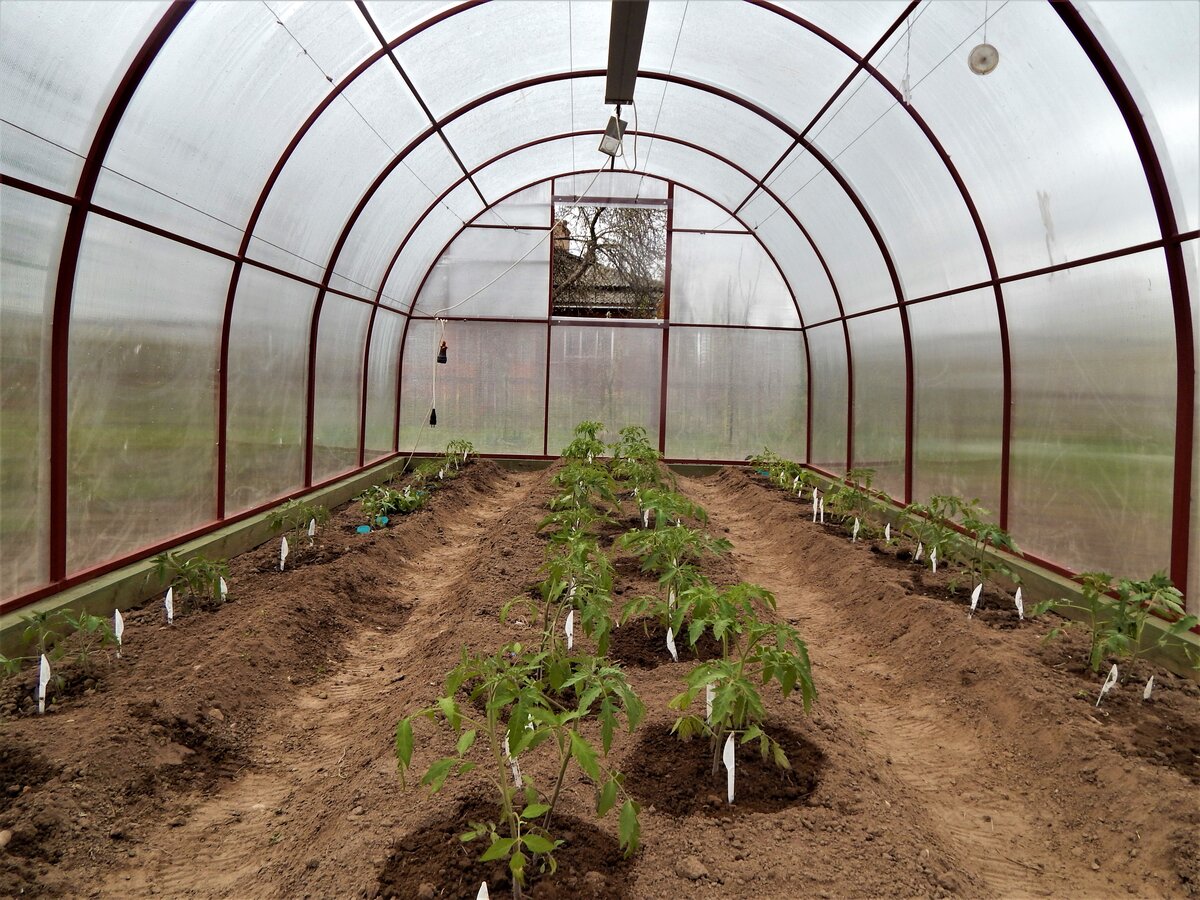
{"x":247,"y":751}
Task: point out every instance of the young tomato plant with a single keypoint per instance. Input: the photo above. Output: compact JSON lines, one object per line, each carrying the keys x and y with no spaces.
{"x":671,"y":552}
{"x":853,"y":499}
{"x":584,"y":485}
{"x":194,"y":579}
{"x":586,"y":444}
{"x":380,"y":500}
{"x":668,"y":506}
{"x":984,"y":538}
{"x":521,"y":716}
{"x":293,"y":517}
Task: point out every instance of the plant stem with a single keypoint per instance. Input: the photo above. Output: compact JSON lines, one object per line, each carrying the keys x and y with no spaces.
{"x":562,"y":772}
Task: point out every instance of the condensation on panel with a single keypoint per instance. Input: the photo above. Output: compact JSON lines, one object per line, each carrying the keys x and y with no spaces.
{"x":959,"y":401}
{"x":690,"y":210}
{"x":1093,"y":358}
{"x":530,"y":207}
{"x":491,"y":272}
{"x":730,"y":393}
{"x":1155,"y":46}
{"x":604,"y":374}
{"x":491,"y":391}
{"x":827,"y":358}
{"x":341,"y":341}
{"x":59,"y":65}
{"x":382,"y":373}
{"x":33,"y":233}
{"x":877,"y":346}
{"x":268,"y":354}
{"x":727,"y":279}
{"x":145,"y":334}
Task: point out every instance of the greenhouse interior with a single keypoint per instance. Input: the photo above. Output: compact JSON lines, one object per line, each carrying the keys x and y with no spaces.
{"x":401,"y":435}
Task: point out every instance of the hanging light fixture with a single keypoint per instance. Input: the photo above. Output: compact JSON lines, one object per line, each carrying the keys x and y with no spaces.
{"x":614,"y":134}
{"x":983,"y":58}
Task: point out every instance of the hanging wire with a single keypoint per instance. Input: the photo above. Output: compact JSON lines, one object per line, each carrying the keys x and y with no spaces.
{"x":663,"y":101}
{"x":571,"y":63}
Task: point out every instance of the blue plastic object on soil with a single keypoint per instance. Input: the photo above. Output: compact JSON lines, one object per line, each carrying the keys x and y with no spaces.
{"x":763,"y":472}
{"x":363,"y":529}
{"x":381,"y":520}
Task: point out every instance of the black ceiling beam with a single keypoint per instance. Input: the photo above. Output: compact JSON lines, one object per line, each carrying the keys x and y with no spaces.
{"x":625,"y":31}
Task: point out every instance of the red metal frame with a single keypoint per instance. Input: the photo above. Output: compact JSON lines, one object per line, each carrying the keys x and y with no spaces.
{"x":666,"y":323}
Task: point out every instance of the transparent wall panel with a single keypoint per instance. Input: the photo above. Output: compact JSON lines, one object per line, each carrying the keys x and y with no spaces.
{"x":268,"y":355}
{"x":491,"y":392}
{"x":480,"y":256}
{"x":959,"y":401}
{"x":727,"y":279}
{"x":604,"y":374}
{"x":732,"y":392}
{"x":1154,"y":44}
{"x":33,"y":233}
{"x":59,"y":65}
{"x":341,"y":340}
{"x":842,"y":237}
{"x":421,"y":249}
{"x":609,"y":184}
{"x":216,"y":109}
{"x":530,"y":207}
{"x":693,"y":211}
{"x":145,"y":335}
{"x":1054,"y":173}
{"x":386,"y":334}
{"x":1093,"y":355}
{"x":827,"y":357}
{"x":877,"y":346}
{"x":800,"y":266}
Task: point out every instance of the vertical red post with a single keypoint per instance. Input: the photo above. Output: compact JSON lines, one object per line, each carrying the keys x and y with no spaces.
{"x":666,"y":325}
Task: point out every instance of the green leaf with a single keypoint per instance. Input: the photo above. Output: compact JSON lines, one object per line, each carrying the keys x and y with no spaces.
{"x":499,"y":850}
{"x":438,"y":772}
{"x":628,"y":828}
{"x":533,"y":810}
{"x":607,"y":799}
{"x":517,"y":866}
{"x":465,"y":741}
{"x":450,"y":710}
{"x":404,"y":742}
{"x":538,"y":844}
{"x":781,"y":759}
{"x":585,"y":755}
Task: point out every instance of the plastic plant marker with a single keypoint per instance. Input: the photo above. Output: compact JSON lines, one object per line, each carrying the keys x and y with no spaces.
{"x":933,"y":559}
{"x":795,"y":481}
{"x":118,"y":629}
{"x":816,"y":507}
{"x":727,"y":757}
{"x":822,"y":505}
{"x":671,"y":645}
{"x":671,"y":598}
{"x":709,"y":693}
{"x":975,"y":595}
{"x":43,"y":681}
{"x":441,"y":474}
{"x":512,"y":763}
{"x":569,"y":628}
{"x":920,"y":551}
{"x":312,"y":529}
{"x":854,"y":531}
{"x":283,"y":552}
{"x":1109,"y":682}
{"x":645,"y":518}
{"x":1019,"y":601}
{"x":887,"y":533}
{"x":1149,"y":688}
{"x":169,"y":605}
{"x":483,"y":891}
{"x":224,"y":588}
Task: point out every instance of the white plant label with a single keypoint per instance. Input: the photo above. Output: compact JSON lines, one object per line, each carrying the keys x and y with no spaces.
{"x":709,"y":694}
{"x":169,"y":605}
{"x":671,"y":598}
{"x":920,"y":550}
{"x":671,"y":645}
{"x":795,"y":481}
{"x":224,"y":588}
{"x":636,"y":493}
{"x":118,"y":629}
{"x":1108,"y":683}
{"x":483,"y":892}
{"x":1019,"y":601}
{"x":512,"y":764}
{"x":441,"y":474}
{"x":464,"y":460}
{"x":646,"y":518}
{"x":283,"y":552}
{"x":815,"y":509}
{"x":570,"y":629}
{"x":1149,"y":688}
{"x":727,"y":756}
{"x":312,"y":528}
{"x":43,"y":681}
{"x":822,"y":505}
{"x":887,"y":533}
{"x":854,"y":531}
{"x":975,"y":594}
{"x":933,"y":559}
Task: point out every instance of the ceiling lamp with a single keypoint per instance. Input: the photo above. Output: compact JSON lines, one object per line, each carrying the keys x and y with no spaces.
{"x":983,"y":58}
{"x":610,"y":143}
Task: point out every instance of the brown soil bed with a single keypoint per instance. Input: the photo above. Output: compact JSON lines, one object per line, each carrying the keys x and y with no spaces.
{"x":642,"y":643}
{"x":248,"y":751}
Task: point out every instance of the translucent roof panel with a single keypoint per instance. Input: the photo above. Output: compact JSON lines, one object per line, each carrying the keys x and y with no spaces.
{"x":859,"y":24}
{"x":727,"y":279}
{"x":491,"y":272}
{"x":693,"y":211}
{"x":527,"y":207}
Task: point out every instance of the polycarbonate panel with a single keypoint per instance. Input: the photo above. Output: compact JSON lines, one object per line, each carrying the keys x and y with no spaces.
{"x":335,"y":163}
{"x":959,"y":400}
{"x":420,"y":252}
{"x":483,"y":274}
{"x":382,"y":373}
{"x":268,"y":355}
{"x":1094,"y":415}
{"x":842,"y":237}
{"x":494,"y":400}
{"x":622,"y":185}
{"x":341,"y":341}
{"x":801,"y":267}
{"x":1154,"y":44}
{"x":603,"y":374}
{"x":217,"y":108}
{"x":745,"y":49}
{"x":1053,"y":172}
{"x":515,"y":118}
{"x":693,"y":211}
{"x":877,"y":346}
{"x":517,"y":169}
{"x":907,"y":188}
{"x":727,"y":279}
{"x":505,"y":42}
{"x":827,"y":357}
{"x":33,"y":233}
{"x":530,"y":207}
{"x":732,"y":392}
{"x":59,"y":65}
{"x":392,"y":210}
{"x":859,"y":24}
{"x":396,"y":17}
{"x":142,"y":391}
